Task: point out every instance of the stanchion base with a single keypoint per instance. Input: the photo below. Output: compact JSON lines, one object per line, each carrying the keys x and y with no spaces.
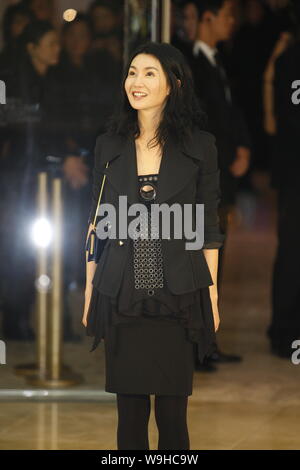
{"x":29,"y":369}
{"x":67,"y":379}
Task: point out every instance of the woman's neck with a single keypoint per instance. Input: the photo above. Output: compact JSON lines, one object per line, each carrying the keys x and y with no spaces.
{"x":148,"y":122}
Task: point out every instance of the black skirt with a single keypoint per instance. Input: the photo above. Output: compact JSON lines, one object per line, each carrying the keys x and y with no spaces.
{"x":149,"y":358}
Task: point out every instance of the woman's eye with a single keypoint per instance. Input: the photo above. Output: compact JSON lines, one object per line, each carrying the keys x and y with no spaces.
{"x":131,"y":73}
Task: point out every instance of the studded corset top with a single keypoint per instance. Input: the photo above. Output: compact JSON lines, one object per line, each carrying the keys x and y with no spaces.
{"x":144,"y":288}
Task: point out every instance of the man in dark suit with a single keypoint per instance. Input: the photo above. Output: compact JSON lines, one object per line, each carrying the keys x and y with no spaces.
{"x":225,"y":121}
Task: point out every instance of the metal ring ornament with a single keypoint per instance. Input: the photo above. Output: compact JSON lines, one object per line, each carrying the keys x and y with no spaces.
{"x":148,"y":194}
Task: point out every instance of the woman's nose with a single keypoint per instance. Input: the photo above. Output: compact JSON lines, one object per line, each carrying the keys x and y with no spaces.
{"x":138,"y":80}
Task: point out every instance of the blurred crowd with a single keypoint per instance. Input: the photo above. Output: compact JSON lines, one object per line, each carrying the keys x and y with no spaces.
{"x":245,"y":59}
{"x":62,"y":83}
{"x":61,"y":86}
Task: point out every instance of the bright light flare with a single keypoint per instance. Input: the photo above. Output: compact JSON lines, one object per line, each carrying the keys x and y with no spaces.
{"x":41,"y":232}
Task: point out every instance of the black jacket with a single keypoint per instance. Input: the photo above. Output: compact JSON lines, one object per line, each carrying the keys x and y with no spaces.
{"x":188,"y":174}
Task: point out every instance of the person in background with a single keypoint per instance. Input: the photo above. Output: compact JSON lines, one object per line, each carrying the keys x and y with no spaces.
{"x":39,"y":52}
{"x":42,"y":9}
{"x":106,"y":22}
{"x":184,"y":39}
{"x":81,"y":94}
{"x":281,"y":19}
{"x":179,"y":36}
{"x":251,"y":48}
{"x":215,"y":24}
{"x":15,"y":18}
{"x":269,"y":118}
{"x":284,"y":327}
{"x":190,"y":20}
{"x":83,"y":69}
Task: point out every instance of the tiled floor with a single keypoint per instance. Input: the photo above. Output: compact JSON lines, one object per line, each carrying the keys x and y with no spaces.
{"x":250,"y":405}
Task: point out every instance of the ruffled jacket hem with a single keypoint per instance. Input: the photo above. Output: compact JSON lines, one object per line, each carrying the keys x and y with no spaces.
{"x":192,"y":310}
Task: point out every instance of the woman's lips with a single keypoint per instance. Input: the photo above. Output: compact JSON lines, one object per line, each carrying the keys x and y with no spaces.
{"x":138,"y":97}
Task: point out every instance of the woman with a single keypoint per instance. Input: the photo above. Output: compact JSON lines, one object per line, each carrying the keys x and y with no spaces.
{"x":106,"y":22}
{"x":15,"y":19}
{"x":156,"y":152}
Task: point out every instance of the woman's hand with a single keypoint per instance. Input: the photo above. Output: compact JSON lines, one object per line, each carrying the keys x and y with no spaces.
{"x":212,"y":257}
{"x":87,"y":299}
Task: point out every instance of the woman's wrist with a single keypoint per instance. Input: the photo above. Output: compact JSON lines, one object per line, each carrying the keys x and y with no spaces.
{"x":88,"y":289}
{"x":213,"y":290}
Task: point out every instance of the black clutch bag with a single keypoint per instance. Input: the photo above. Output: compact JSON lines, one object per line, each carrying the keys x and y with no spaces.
{"x":94,"y":244}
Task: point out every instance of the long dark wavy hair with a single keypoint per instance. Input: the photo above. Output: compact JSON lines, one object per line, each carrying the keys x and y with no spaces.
{"x":182,"y":112}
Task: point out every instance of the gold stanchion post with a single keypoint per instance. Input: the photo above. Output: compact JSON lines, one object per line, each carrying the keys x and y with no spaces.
{"x":42,"y":286}
{"x":52,"y":374}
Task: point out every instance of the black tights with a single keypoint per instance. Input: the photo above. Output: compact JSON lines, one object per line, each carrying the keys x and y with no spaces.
{"x":170,"y":416}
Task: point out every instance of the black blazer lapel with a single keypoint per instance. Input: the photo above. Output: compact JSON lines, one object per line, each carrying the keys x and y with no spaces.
{"x":122,"y":169}
{"x":177,"y":167}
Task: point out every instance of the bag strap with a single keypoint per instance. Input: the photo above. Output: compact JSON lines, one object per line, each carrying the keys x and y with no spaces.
{"x":100,"y":195}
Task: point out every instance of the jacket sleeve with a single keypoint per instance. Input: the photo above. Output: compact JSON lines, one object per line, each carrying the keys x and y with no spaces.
{"x":97,"y":177}
{"x":209,"y":192}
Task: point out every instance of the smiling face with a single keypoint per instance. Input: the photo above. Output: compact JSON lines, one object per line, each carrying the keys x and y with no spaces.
{"x":146,"y":83}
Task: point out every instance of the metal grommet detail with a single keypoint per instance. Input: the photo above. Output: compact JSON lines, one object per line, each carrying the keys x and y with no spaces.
{"x":147,"y":256}
{"x":121,"y":242}
{"x":148,"y":191}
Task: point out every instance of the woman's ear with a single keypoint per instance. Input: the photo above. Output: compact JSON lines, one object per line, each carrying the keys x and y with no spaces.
{"x":179,"y":82}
